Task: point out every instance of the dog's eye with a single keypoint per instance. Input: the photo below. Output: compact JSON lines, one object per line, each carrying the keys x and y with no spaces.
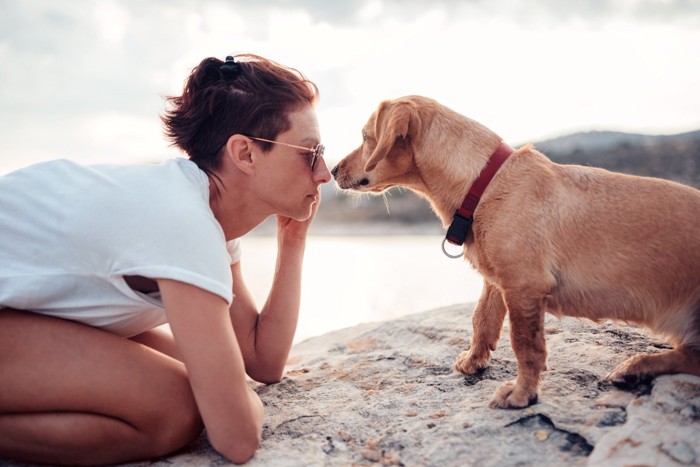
{"x":364,"y":137}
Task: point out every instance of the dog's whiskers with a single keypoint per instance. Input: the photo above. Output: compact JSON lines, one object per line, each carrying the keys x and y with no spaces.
{"x":386,"y":202}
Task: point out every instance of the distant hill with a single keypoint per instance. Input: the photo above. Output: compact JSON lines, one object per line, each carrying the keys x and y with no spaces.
{"x":606,"y":140}
{"x":673,"y":157}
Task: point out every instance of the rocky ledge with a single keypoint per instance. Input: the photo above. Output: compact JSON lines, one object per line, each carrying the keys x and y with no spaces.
{"x":385,"y":393}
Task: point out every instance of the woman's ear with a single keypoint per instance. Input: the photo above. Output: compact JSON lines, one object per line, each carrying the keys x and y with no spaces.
{"x":239,"y":149}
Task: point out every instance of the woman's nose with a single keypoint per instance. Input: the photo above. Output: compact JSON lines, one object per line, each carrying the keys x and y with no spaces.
{"x":321,"y":173}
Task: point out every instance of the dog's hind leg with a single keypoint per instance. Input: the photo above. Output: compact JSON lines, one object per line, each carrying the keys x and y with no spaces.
{"x":684,"y":358}
{"x":641,"y":368}
{"x":487,"y":322}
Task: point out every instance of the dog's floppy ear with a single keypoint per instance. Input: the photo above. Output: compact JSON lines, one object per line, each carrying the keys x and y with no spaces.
{"x":393,"y":122}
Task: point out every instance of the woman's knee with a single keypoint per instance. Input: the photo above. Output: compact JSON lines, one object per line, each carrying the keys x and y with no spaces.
{"x":177,"y":431}
{"x":176,"y":421}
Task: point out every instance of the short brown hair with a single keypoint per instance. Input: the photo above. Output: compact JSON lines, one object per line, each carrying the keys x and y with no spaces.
{"x":215,"y":104}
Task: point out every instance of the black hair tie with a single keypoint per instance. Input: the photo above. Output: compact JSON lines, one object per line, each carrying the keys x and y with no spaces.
{"x":230,"y":69}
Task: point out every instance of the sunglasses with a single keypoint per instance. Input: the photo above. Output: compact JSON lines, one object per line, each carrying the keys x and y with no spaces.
{"x":315,"y":153}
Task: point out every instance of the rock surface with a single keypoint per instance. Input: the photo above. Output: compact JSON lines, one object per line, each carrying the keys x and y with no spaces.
{"x":385,"y":393}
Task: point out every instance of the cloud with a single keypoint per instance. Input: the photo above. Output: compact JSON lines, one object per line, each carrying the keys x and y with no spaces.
{"x":112,"y":19}
{"x":359,"y":12}
{"x":86,"y":76}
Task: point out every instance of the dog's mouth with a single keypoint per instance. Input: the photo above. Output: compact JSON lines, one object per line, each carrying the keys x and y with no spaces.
{"x":348,"y":183}
{"x":358,"y":183}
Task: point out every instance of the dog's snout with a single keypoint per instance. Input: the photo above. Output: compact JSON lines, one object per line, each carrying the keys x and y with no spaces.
{"x":364,"y":181}
{"x":334,"y":172}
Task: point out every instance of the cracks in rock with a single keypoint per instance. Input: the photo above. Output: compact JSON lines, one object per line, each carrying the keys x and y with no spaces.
{"x":329,"y":447}
{"x":495,"y":371}
{"x":288,"y":427}
{"x":480,"y":375}
{"x":614,"y":418}
{"x":546,"y":431}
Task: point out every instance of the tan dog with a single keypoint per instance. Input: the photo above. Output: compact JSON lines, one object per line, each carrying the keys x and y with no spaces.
{"x":570,"y":240}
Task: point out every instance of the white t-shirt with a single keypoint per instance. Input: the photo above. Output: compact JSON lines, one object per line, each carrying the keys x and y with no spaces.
{"x":69,"y":234}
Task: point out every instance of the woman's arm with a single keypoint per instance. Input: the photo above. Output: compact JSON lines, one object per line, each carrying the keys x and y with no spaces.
{"x":266,"y":337}
{"x":231,"y":411}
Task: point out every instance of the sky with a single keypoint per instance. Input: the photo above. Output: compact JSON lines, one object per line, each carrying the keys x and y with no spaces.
{"x":85,"y":80}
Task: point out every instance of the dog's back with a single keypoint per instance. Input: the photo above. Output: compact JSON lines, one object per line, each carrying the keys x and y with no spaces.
{"x":617,"y":246}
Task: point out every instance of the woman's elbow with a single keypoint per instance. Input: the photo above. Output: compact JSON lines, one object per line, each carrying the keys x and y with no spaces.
{"x":267,"y":375}
{"x":270,"y":378}
{"x":241,"y":450}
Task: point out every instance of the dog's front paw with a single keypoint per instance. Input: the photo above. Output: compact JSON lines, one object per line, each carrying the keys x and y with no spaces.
{"x":510,"y":395}
{"x":470,"y":361}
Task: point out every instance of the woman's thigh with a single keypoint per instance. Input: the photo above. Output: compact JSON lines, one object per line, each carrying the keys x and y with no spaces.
{"x":50,"y":365}
{"x":160,"y":339}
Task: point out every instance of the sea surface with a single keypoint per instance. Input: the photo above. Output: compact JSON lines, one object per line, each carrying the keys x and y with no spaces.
{"x":352,"y":280}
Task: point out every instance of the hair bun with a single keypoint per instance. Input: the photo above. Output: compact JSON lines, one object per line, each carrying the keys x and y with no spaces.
{"x":230,"y":69}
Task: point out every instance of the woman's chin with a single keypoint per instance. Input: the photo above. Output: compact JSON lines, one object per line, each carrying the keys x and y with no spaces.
{"x":300,"y":214}
{"x":302,"y":217}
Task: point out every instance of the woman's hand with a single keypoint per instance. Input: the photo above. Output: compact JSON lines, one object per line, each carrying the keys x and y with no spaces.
{"x":294,"y":229}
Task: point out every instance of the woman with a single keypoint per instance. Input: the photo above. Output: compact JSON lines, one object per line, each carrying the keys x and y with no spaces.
{"x":94,"y":258}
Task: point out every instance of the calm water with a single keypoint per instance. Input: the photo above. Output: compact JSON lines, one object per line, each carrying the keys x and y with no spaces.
{"x":353,"y":280}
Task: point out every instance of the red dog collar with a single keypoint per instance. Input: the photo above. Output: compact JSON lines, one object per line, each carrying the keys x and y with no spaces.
{"x":464,"y":216}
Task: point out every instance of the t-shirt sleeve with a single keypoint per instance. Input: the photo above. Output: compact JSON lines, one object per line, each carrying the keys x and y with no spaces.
{"x":234,"y":250}
{"x":150,"y":220}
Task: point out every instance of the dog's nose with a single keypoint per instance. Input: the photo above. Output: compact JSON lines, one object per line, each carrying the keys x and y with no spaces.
{"x":334,"y":172}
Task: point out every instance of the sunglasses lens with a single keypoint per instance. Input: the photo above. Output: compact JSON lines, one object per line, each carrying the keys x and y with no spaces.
{"x":318,"y":153}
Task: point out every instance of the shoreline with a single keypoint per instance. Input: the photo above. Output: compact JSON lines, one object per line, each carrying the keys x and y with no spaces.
{"x":357,"y":229}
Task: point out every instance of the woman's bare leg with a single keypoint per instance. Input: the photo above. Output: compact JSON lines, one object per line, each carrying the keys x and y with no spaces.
{"x":161,"y":339}
{"x":72,"y":394}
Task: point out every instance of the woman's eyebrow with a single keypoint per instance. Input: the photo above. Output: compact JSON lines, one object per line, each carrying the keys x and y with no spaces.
{"x":311,"y":139}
